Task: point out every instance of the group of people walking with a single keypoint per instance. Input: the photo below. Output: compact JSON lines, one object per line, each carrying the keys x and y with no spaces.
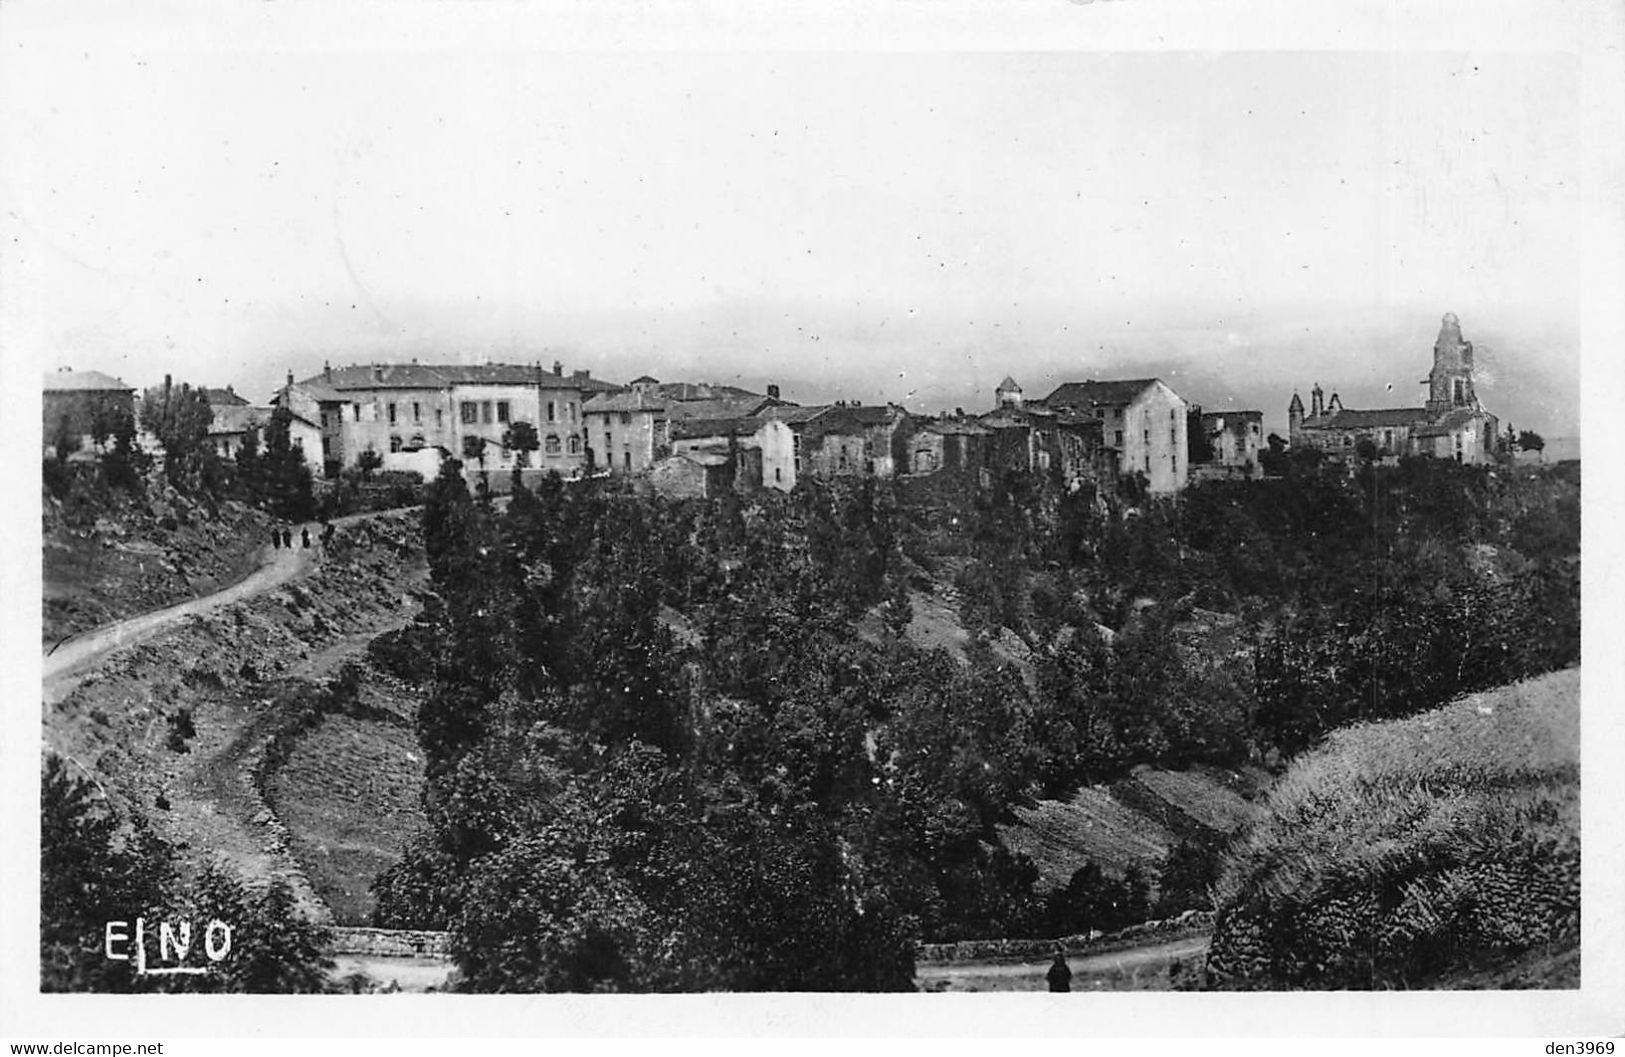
{"x":282,"y":536}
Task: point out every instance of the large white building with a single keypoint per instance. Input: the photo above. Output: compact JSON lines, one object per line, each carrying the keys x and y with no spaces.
{"x":1142,"y":420}
{"x":410,"y":413}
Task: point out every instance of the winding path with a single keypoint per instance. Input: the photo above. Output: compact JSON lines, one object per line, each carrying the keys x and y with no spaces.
{"x":70,"y":658}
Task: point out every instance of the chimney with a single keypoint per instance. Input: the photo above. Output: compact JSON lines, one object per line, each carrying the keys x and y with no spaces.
{"x":772,"y":392}
{"x":377,"y":373}
{"x":290,"y":382}
{"x":327,"y":370}
{"x":558,"y":368}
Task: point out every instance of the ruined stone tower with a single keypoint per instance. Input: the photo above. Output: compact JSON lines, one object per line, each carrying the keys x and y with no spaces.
{"x":1450,"y":383}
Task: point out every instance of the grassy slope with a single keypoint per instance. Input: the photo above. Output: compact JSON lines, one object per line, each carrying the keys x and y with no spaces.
{"x":349,"y":796}
{"x":129,"y":564}
{"x":1420,"y":852}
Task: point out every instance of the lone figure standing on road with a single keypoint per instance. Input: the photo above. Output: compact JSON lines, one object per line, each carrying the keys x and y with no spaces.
{"x":276,"y":537}
{"x":1060,"y":974}
{"x":304,"y":534}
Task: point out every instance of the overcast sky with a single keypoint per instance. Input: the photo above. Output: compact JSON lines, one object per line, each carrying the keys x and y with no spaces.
{"x":897,"y":226}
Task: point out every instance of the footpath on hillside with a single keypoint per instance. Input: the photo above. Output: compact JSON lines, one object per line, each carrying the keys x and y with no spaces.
{"x":169,"y":713}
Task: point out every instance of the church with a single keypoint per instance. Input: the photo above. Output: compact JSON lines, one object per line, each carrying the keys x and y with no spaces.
{"x":1452,"y":424}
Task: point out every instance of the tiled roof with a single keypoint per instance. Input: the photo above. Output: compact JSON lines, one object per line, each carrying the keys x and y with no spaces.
{"x":705,"y":391}
{"x":226,"y":397}
{"x":857,"y":416}
{"x":622,"y":401}
{"x":441,"y":376}
{"x":84,"y":382}
{"x":717,"y":407}
{"x":1098,"y":394}
{"x":1346,"y":419}
{"x":236,"y":418}
{"x":955,"y":427}
{"x":794,"y":414}
{"x":1008,"y":385}
{"x":690,"y":428}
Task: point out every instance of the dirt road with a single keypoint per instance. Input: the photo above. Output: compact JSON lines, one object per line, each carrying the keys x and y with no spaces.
{"x":1132,"y":968}
{"x":76,"y":655}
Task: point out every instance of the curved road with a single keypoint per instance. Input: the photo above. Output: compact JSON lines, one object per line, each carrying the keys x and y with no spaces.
{"x":88,"y":648}
{"x":277,"y":567}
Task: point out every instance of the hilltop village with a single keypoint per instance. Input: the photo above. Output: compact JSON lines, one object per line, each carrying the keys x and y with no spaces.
{"x":517,"y":423}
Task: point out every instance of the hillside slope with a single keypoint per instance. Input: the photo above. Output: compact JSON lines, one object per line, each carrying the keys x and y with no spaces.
{"x":1425,"y":852}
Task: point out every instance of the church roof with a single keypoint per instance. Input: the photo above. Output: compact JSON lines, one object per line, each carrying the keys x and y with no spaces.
{"x":1009,"y":385}
{"x":1346,"y":419}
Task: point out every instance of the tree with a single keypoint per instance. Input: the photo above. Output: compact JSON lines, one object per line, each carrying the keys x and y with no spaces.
{"x":368,"y":462}
{"x":520,"y":438}
{"x":179,"y":416}
{"x":89,"y":875}
{"x":287,"y":478}
{"x":1529,"y":440}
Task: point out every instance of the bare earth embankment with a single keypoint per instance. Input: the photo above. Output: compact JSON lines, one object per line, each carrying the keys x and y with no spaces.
{"x":175,"y":727}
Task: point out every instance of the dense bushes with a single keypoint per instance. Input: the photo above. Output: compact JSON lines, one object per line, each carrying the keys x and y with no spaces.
{"x":626,"y":692}
{"x":1403,"y":851}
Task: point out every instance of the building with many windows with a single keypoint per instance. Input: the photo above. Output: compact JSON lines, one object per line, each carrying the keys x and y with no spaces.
{"x":410,"y":414}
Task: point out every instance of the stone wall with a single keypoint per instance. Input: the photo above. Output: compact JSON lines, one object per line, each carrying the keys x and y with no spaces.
{"x":1190,"y":923}
{"x":390,"y":943}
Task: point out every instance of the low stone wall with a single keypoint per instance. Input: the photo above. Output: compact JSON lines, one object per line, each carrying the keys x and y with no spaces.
{"x":1190,"y":923}
{"x":390,"y":943}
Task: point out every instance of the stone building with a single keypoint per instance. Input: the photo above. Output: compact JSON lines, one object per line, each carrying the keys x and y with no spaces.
{"x":73,"y":400}
{"x":1236,"y":438}
{"x":1450,"y":424}
{"x":844,"y":440}
{"x":627,"y":432}
{"x":773,"y":463}
{"x":1143,"y":423}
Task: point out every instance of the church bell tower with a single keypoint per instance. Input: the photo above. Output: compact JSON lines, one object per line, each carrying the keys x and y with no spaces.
{"x":1450,"y":383}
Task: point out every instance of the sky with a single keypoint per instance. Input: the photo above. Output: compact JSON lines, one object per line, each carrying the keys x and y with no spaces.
{"x":905,"y":226}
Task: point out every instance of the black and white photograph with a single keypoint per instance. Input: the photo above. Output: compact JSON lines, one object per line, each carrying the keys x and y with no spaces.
{"x":918,"y":502}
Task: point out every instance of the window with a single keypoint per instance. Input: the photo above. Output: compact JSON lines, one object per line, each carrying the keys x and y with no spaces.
{"x":551,"y":445}
{"x":392,"y":414}
{"x":356,"y":408}
{"x":1119,"y":438}
{"x":1117,"y":414}
{"x":471,"y":412}
{"x":626,"y":460}
{"x":439,"y":419}
{"x":778,"y":475}
{"x":608,"y":444}
{"x":550,"y":411}
{"x":502,"y":411}
{"x":416,"y":443}
{"x":394,"y":438}
{"x":1461,"y":394}
{"x":626,"y":418}
{"x":417,"y":412}
{"x":572,"y":406}
{"x":485,"y":411}
{"x":575,"y":444}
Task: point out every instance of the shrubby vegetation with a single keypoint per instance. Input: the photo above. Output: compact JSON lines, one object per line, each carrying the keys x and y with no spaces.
{"x":1401,"y":853}
{"x":94,"y":869}
{"x":661,"y":755}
